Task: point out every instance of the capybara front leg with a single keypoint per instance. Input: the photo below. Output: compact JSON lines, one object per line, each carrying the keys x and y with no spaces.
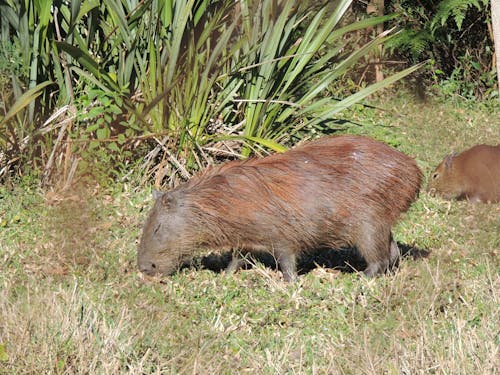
{"x":286,"y":261}
{"x":237,"y":261}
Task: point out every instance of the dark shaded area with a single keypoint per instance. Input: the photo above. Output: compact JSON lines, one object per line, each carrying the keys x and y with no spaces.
{"x":345,"y":260}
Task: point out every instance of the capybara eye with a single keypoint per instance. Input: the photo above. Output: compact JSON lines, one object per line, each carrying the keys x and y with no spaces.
{"x":434,"y":176}
{"x":157,"y":228}
{"x":153,"y":265}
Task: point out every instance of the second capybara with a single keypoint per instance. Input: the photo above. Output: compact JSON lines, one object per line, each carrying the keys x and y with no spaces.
{"x":333,"y":192}
{"x":473,"y":175}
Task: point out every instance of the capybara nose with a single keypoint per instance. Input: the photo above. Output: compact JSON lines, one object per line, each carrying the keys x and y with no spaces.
{"x":149,"y":268}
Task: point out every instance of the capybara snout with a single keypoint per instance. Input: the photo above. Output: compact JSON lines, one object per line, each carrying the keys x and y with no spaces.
{"x":332,"y":192}
{"x":147,"y":267}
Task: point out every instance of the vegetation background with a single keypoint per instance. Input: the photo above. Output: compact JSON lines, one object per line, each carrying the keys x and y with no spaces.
{"x":100,"y":100}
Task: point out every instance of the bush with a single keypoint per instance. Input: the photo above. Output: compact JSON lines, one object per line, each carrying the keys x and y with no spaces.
{"x":454,"y":36}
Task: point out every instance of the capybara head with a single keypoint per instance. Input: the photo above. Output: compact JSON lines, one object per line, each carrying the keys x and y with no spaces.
{"x":473,"y":175}
{"x":160,"y":246}
{"x":443,"y":180}
{"x":328,"y":193}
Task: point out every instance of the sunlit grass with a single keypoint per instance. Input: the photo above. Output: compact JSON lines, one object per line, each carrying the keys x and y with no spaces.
{"x":72,"y":301}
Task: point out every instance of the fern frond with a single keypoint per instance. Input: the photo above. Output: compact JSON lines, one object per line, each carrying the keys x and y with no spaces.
{"x":415,"y":42}
{"x":456,"y":9}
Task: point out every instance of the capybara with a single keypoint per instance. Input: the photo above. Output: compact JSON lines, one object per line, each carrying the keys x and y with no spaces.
{"x":473,"y":175}
{"x":329,"y":193}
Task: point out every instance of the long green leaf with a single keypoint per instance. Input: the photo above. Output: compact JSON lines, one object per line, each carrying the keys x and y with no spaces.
{"x":262,"y":141}
{"x":119,"y":17}
{"x":24,"y":100}
{"x":181,"y":17}
{"x":355,"y":98}
{"x":342,"y":67}
{"x":359,"y":25}
{"x":89,"y":63}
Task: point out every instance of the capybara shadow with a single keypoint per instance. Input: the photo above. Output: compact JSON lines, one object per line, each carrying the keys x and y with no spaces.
{"x":345,"y":260}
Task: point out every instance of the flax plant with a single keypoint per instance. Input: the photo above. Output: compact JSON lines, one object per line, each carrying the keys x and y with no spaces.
{"x":188,"y":73}
{"x":292,"y":58}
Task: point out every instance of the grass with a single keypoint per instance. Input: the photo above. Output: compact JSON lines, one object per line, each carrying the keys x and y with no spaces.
{"x":72,"y":301}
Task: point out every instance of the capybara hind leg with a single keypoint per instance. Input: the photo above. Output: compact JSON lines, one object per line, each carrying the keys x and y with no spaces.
{"x":237,"y":261}
{"x":376,"y":268}
{"x":377,"y":249}
{"x":286,"y":262}
{"x":395,"y":254}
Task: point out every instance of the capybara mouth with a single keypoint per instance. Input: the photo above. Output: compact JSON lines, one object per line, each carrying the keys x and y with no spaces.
{"x":155,"y":272}
{"x":149,"y":272}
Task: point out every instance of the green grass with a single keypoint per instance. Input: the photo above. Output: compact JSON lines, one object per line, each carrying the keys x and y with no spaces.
{"x":72,"y":301}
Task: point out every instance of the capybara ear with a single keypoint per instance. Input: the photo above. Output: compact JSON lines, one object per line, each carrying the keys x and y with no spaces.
{"x":167,"y":200}
{"x":156,"y":194}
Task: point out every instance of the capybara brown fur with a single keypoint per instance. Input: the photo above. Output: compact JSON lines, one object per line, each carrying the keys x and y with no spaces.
{"x":333,"y":192}
{"x":473,"y":175}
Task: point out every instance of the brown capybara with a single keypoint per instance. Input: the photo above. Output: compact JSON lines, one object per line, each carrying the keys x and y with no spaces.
{"x":332,"y":192}
{"x":473,"y":175}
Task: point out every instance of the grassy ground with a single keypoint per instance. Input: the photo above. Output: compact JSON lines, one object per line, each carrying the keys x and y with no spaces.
{"x":72,"y":301}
